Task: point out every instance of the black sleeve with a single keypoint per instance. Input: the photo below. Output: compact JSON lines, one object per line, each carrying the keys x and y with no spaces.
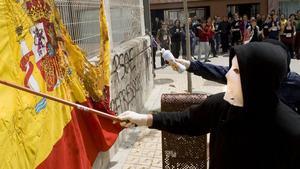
{"x":196,"y":120}
{"x":209,"y":71}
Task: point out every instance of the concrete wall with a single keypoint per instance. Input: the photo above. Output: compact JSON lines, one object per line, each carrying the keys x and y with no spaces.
{"x":131,"y":71}
{"x":131,"y":74}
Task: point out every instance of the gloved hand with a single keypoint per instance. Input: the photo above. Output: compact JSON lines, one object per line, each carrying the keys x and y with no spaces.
{"x":184,"y":62}
{"x":130,"y":118}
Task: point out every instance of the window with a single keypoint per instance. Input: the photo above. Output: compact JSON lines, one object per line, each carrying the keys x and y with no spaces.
{"x":288,"y":7}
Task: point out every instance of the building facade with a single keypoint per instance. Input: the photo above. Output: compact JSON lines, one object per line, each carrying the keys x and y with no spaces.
{"x":169,"y":10}
{"x":205,"y":8}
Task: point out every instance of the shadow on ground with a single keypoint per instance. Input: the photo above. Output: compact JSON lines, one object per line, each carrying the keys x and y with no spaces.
{"x":163,"y":81}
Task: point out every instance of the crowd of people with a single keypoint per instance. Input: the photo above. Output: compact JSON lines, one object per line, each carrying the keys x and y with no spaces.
{"x":215,"y":35}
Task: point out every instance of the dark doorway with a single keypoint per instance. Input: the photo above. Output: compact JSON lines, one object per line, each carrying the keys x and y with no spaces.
{"x":157,"y":13}
{"x":155,"y":26}
{"x":244,"y":9}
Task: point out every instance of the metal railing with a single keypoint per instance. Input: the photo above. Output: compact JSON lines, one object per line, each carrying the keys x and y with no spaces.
{"x":81,"y":18}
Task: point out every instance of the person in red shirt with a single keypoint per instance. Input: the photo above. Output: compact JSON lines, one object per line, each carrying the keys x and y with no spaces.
{"x":203,"y":33}
{"x":244,"y":25}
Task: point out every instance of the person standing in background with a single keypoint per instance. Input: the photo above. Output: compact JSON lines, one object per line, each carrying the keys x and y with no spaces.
{"x":260,"y":20}
{"x":204,"y":41}
{"x":236,"y":31}
{"x":154,"y":49}
{"x":253,"y":31}
{"x":288,"y":37}
{"x":156,"y":26}
{"x":164,"y":39}
{"x":218,"y":33}
{"x":297,"y":39}
{"x":265,"y":27}
{"x":211,"y":36}
{"x":274,"y":28}
{"x":225,"y":31}
{"x":175,"y":38}
{"x":244,"y":26}
{"x":196,"y":22}
{"x":192,"y":39}
{"x":282,"y":24}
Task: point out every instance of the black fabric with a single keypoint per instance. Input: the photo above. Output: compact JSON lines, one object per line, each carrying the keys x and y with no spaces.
{"x":289,"y":89}
{"x":225,"y":31}
{"x":175,"y":34}
{"x":209,"y":71}
{"x":236,"y":33}
{"x":255,"y":37}
{"x":262,"y":71}
{"x":264,"y":134}
{"x":288,"y":56}
{"x":154,"y":49}
{"x":175,"y":39}
{"x":175,"y":49}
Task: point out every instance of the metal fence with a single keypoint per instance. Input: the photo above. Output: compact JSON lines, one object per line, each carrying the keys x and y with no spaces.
{"x":81,"y":18}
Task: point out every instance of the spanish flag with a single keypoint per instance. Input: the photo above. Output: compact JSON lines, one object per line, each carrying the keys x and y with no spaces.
{"x":37,"y":52}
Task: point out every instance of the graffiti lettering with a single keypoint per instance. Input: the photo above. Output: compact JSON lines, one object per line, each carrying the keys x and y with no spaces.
{"x":127,"y":95}
{"x":122,"y":64}
{"x":130,"y":71}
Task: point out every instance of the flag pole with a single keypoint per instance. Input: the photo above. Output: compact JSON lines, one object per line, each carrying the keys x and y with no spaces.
{"x":77,"y":106}
{"x":188,"y":43}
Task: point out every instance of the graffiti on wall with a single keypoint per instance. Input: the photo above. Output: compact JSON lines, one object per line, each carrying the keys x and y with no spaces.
{"x":123,"y":63}
{"x":130,"y":74}
{"x":127,"y":95}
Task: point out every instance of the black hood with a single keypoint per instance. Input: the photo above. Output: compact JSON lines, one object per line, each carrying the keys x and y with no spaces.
{"x":277,"y":42}
{"x":262,"y":68}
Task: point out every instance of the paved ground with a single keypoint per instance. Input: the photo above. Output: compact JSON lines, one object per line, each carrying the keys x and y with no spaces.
{"x":143,"y":151}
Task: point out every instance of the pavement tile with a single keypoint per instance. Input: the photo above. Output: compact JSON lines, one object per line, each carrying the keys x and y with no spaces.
{"x":132,"y":159}
{"x":138,"y":144}
{"x":145,"y":161}
{"x":148,"y":153}
{"x":150,"y":146}
{"x":156,"y":162}
{"x":155,"y":167}
{"x":136,"y":151}
{"x":128,"y":166}
{"x":142,"y":167}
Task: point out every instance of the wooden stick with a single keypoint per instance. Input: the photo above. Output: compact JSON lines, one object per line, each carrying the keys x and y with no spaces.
{"x":78,"y":106}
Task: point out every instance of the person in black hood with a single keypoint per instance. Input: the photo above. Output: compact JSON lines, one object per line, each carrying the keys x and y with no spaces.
{"x":289,"y":91}
{"x":252,"y":128}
